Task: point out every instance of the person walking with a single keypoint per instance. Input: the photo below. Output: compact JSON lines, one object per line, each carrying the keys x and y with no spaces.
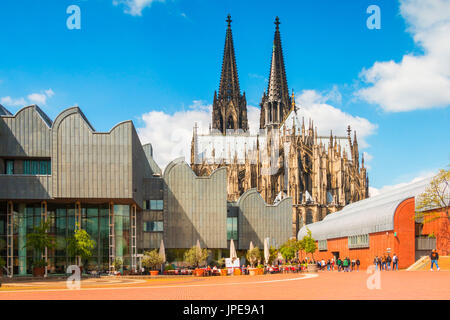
{"x":357,"y":264}
{"x":345,"y":264}
{"x":339,"y":263}
{"x":353,"y":264}
{"x":434,"y":257}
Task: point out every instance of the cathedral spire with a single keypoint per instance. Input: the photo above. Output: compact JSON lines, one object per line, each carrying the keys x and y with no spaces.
{"x":278,"y":88}
{"x":229,"y":106}
{"x":229,"y":82}
{"x":277,"y":103}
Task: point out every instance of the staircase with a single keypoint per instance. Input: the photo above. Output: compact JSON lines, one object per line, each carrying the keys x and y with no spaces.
{"x":424,"y":264}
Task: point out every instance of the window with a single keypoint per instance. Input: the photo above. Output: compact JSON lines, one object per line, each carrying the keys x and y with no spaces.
{"x":9,"y":166}
{"x":43,"y":167}
{"x":153,"y":205}
{"x":358,"y":241}
{"x":323,"y":245}
{"x":153,"y":226}
{"x":232,"y":228}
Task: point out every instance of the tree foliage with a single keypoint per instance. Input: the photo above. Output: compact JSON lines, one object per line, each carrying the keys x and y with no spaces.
{"x":39,"y":239}
{"x":308,"y":243}
{"x":436,"y":196}
{"x":253,"y":256}
{"x":195,"y":256}
{"x":80,"y":244}
{"x":152,"y":259}
{"x":289,"y":249}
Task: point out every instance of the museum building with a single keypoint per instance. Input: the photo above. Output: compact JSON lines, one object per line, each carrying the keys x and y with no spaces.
{"x":68,"y":174}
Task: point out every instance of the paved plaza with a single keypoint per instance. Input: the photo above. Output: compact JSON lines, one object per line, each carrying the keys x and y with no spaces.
{"x":322,"y":285}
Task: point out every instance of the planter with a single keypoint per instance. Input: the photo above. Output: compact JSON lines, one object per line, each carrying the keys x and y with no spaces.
{"x":38,"y":271}
{"x":260,"y":271}
{"x":223,"y":272}
{"x":237,"y":272}
{"x":312,"y":268}
{"x":253,"y":271}
{"x":199,"y":272}
{"x":154,"y":272}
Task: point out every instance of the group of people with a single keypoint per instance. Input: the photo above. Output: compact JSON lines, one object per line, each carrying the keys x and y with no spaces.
{"x":384,"y":262}
{"x":345,"y":265}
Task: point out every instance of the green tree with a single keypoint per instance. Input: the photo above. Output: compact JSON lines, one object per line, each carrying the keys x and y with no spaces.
{"x":436,"y":196}
{"x":152,"y":259}
{"x":289,"y":249}
{"x":273,"y":255}
{"x":253,"y":256}
{"x":308,"y":243}
{"x":195,"y":256}
{"x":38,"y":240}
{"x":80,"y":244}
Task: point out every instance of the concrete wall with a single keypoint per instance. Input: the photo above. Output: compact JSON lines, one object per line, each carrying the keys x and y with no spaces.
{"x":27,"y":134}
{"x":258,"y":220}
{"x":196,"y":207}
{"x":87,"y":164}
{"x":25,"y":187}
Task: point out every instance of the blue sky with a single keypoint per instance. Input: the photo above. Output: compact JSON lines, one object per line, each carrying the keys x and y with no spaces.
{"x":165,"y":60}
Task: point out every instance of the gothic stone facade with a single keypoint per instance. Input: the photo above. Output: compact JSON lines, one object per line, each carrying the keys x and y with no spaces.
{"x":321,"y":174}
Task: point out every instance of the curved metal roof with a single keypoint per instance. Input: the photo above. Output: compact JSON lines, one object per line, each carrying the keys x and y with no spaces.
{"x":374,"y":214}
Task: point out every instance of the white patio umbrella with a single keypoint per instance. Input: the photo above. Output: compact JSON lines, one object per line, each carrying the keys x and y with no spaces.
{"x":251,"y":246}
{"x":162,"y":251}
{"x":199,"y":248}
{"x":233,"y":254}
{"x":266,"y":250}
{"x":162,"y":254}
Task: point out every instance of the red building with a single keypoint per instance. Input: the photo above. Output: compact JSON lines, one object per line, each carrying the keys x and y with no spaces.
{"x":379,"y":226}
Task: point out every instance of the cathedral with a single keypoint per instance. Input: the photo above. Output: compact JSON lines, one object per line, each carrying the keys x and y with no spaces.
{"x":286,"y":158}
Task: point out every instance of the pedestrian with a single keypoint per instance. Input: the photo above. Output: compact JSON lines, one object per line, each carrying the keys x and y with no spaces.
{"x":339,"y":263}
{"x":375,"y":262}
{"x":434,"y":257}
{"x":383,"y":263}
{"x":353,"y":264}
{"x":394,"y":262}
{"x":345,"y":264}
{"x":357,"y":264}
{"x":388,"y":261}
{"x":328,"y":264}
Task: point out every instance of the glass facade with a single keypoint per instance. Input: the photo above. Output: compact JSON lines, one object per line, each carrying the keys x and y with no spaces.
{"x":153,"y":205}
{"x":232,"y":228}
{"x":94,"y":219}
{"x":37,"y":167}
{"x":153,"y":226}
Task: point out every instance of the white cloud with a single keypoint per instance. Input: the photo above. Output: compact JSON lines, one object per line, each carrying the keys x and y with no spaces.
{"x":376,"y":191}
{"x":38,"y":98}
{"x":10,"y":102}
{"x":417,"y":81}
{"x":32,"y":98}
{"x":135,"y":7}
{"x":171,"y":134}
{"x":313,"y":105}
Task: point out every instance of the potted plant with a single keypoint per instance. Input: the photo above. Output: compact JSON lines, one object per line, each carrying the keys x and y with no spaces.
{"x":38,"y":240}
{"x":308,"y":244}
{"x":253,"y":256}
{"x":260,"y":269}
{"x":195,"y":257}
{"x":117,"y":264}
{"x":2,"y":265}
{"x":80,"y":245}
{"x":151,"y":260}
{"x":39,"y":267}
{"x":223,"y":270}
